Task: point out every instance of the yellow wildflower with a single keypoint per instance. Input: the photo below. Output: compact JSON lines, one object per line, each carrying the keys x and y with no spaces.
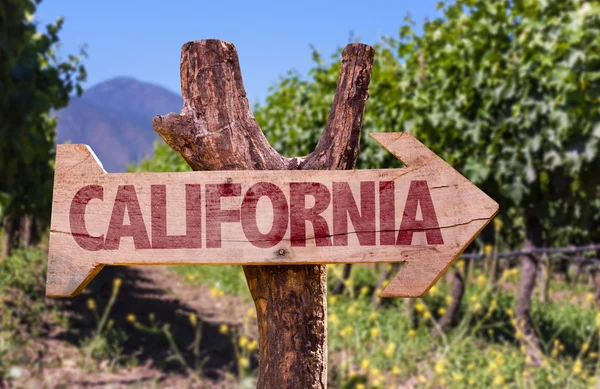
{"x":390,"y":349}
{"x":433,"y":291}
{"x":91,"y":304}
{"x":385,"y":283}
{"x":193,"y":319}
{"x":577,"y":367}
{"x":116,"y":284}
{"x":421,"y":379}
{"x":419,"y":307}
{"x":472,"y":381}
{"x":333,"y":319}
{"x":510,"y":312}
{"x":449,"y":300}
{"x":497,"y":223}
{"x":470,"y":366}
{"x":223,"y":329}
{"x":374,"y":332}
{"x":253,"y":345}
{"x":427,"y":315}
{"x":332,"y":300}
{"x":214,"y":291}
{"x":360,"y":386}
{"x":131,"y":318}
{"x":412,"y":333}
{"x":474,"y":298}
{"x":364,"y":291}
{"x":457,"y":377}
{"x":346,"y":331}
{"x":374,"y":372}
{"x":585,"y":347}
{"x":477,"y":307}
{"x":499,"y":380}
{"x":396,"y":371}
{"x":487,"y":249}
{"x":481,"y":281}
{"x":243,"y":341}
{"x":364,"y":364}
{"x":110,"y":324}
{"x":598,"y":319}
{"x":244,"y":362}
{"x":440,"y":366}
{"x":442,"y":311}
{"x":373,"y":315}
{"x":589,"y":297}
{"x":250,"y":313}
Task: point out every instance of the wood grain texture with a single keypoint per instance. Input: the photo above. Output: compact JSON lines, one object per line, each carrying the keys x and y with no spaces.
{"x":461,"y":209}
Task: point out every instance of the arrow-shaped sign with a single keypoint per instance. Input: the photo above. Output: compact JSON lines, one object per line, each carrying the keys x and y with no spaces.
{"x":424,"y":215}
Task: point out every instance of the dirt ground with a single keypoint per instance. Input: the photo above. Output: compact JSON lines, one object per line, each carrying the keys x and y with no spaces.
{"x":144,"y":291}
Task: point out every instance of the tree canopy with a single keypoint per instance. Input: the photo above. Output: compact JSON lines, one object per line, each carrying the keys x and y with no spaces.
{"x":34,"y":81}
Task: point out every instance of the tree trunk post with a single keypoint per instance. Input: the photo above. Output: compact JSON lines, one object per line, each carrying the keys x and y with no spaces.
{"x":340,"y":284}
{"x":529,"y":270}
{"x":10,"y":235}
{"x":217,"y":131}
{"x":458,"y":290}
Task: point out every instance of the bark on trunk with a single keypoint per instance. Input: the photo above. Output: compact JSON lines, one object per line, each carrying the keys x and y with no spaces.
{"x":458,"y":290}
{"x":579,"y":263}
{"x":29,"y":233}
{"x":529,"y":266}
{"x":340,"y":285}
{"x":10,"y":235}
{"x":597,"y":279}
{"x":217,"y":131}
{"x":546,"y":276}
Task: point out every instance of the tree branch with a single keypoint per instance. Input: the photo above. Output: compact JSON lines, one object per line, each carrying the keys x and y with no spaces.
{"x":339,"y":144}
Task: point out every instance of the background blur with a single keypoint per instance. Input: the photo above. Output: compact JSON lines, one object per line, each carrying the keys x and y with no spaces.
{"x":508,"y":92}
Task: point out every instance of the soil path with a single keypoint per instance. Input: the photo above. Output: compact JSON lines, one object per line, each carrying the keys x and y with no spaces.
{"x":145,"y":292}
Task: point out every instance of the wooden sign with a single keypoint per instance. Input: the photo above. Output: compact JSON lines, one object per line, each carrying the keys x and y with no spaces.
{"x":424,"y":215}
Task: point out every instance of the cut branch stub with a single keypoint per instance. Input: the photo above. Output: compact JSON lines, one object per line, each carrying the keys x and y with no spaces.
{"x":216,"y":130}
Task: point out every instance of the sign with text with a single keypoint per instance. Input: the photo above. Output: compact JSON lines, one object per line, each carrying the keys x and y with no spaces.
{"x":425,"y":215}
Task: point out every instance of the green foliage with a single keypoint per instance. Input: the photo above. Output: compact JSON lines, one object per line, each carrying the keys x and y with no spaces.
{"x":33,"y":82}
{"x":165,"y":159}
{"x":506,"y":92}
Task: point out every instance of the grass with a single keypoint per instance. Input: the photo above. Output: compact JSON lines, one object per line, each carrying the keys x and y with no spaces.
{"x":368,"y":347}
{"x":382,"y":347}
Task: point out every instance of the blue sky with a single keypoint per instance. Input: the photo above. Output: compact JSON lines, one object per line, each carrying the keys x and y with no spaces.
{"x":143,"y":38}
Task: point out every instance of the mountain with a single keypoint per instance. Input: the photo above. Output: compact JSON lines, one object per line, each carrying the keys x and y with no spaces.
{"x":115,"y":119}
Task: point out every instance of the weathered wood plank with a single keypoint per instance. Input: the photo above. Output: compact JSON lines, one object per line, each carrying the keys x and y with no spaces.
{"x":264,"y":217}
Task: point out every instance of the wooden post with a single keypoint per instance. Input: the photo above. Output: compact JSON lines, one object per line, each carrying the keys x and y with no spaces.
{"x":217,"y":131}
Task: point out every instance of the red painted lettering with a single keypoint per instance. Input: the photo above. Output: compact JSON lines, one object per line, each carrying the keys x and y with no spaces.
{"x":215,"y":215}
{"x":193,"y":222}
{"x":344,"y":205}
{"x":126,"y":199}
{"x":418,"y":195}
{"x":387,"y":213}
{"x":280,"y":215}
{"x":299,"y":214}
{"x":77,"y":218}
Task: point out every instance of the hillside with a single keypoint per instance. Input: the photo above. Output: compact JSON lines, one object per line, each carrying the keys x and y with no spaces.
{"x":115,"y":119}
